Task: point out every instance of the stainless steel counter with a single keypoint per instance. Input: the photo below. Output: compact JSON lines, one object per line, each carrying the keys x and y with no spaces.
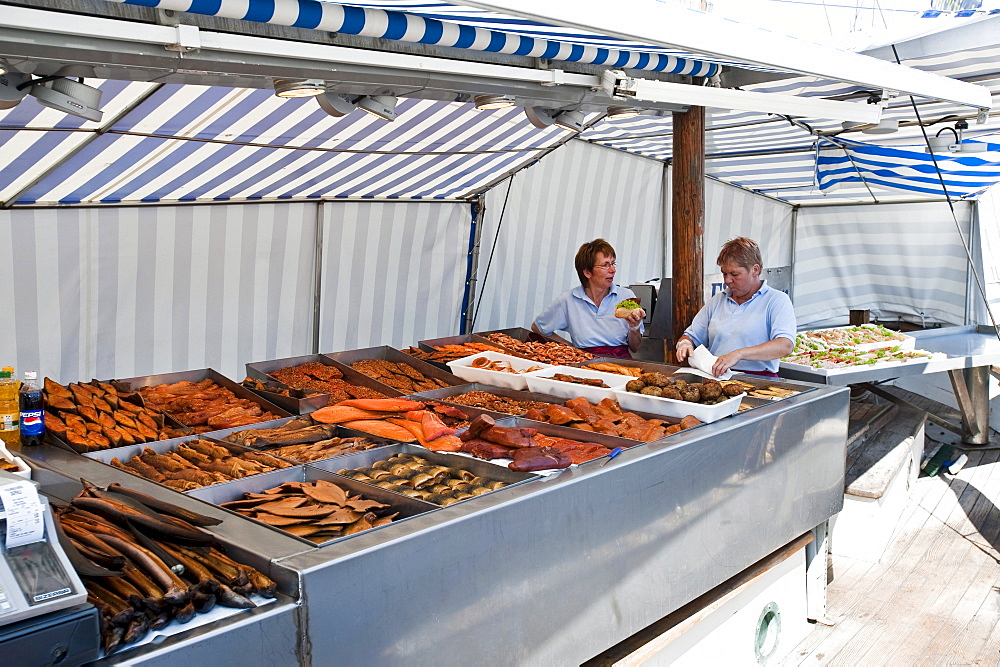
{"x":552,"y":571}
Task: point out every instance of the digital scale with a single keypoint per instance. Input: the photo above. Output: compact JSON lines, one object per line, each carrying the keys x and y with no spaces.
{"x":44,"y":615}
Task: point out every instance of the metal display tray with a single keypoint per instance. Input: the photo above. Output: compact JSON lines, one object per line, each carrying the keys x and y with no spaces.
{"x":442,"y":396}
{"x":297,"y":402}
{"x":341,"y":432}
{"x":239,"y":390}
{"x":609,"y":441}
{"x":520,"y":333}
{"x":386,"y":353}
{"x":229,"y":491}
{"x":260,"y":370}
{"x":484,"y":469}
{"x":123,"y":454}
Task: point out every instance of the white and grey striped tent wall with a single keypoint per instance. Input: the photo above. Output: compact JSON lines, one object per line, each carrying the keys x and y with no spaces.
{"x":393,"y":273}
{"x":573,"y":195}
{"x":988,"y":208}
{"x":897,"y":260}
{"x":119,"y":292}
{"x":732,"y":212}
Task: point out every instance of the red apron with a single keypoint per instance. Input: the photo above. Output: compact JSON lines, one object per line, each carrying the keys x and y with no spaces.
{"x":619,"y":351}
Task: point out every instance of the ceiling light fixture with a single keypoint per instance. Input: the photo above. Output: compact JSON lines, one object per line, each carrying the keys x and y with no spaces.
{"x":337,"y":104}
{"x":12,"y":90}
{"x":4,"y":67}
{"x":616,"y":84}
{"x":380,"y":106}
{"x":617,"y":113}
{"x":492,"y":102}
{"x":571,"y":121}
{"x":939,"y":144}
{"x":299,"y":87}
{"x":66,"y":95}
{"x":540,"y":117}
{"x":884,"y":126}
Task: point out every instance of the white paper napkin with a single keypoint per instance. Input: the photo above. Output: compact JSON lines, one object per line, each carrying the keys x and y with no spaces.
{"x":701,"y":361}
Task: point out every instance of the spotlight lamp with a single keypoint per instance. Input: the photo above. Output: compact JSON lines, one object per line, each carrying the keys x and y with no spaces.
{"x":884,"y":126}
{"x":617,"y":113}
{"x":4,"y":67}
{"x":491,"y":102}
{"x":337,"y":104}
{"x":13,"y":89}
{"x":380,"y":106}
{"x":571,"y":121}
{"x":540,"y":117}
{"x":299,"y":87}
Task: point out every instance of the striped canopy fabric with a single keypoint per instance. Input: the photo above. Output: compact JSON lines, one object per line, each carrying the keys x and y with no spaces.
{"x":197,"y":143}
{"x":443,"y":24}
{"x":775,"y":156}
{"x":909,"y":169}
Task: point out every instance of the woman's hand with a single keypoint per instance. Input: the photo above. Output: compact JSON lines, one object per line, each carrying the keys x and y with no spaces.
{"x":727,"y":361}
{"x":684,"y":349}
{"x":635,"y":318}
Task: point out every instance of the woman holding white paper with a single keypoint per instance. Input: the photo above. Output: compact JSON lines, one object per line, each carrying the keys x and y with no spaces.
{"x":749,"y":326}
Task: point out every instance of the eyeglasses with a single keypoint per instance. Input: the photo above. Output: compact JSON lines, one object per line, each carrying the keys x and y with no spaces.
{"x":606,"y":266}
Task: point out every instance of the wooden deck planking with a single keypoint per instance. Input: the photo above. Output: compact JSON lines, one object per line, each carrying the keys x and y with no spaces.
{"x":933,"y":598}
{"x":918,"y":624}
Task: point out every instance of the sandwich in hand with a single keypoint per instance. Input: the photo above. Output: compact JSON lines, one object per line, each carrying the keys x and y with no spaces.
{"x":626,"y":307}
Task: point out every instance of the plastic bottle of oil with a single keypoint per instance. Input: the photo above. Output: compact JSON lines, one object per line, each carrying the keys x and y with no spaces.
{"x":9,"y":410}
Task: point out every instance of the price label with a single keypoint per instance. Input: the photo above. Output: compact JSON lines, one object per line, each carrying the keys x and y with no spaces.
{"x":24,"y":513}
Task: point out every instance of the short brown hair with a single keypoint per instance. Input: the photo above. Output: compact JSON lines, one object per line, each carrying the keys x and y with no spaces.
{"x":587,"y":255}
{"x":740,"y":251}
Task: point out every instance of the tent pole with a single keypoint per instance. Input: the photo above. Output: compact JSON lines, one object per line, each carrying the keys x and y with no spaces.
{"x":318,"y":277}
{"x":791,"y":260}
{"x":688,"y":219}
{"x":472,"y":263}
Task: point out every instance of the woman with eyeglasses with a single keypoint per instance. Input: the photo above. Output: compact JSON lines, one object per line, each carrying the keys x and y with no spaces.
{"x":587,"y":312}
{"x":749,"y":326}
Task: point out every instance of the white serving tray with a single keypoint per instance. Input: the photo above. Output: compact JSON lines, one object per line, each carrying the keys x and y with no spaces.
{"x":907,"y":343}
{"x":846,"y":370}
{"x":670,"y":407}
{"x":542,"y":382}
{"x":463,"y":369}
{"x":23,"y":470}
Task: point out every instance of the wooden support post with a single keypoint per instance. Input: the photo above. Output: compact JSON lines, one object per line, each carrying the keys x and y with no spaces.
{"x":688,"y":220}
{"x":860,"y":317}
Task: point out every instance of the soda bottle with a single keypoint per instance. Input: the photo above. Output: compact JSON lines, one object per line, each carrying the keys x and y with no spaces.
{"x":32,"y":411}
{"x":9,"y":410}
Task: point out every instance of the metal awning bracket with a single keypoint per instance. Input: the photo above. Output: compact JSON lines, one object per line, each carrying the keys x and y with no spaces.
{"x":188,"y":39}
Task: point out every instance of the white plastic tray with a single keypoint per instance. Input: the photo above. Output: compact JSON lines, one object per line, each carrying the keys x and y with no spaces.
{"x":542,"y":382}
{"x":23,"y":470}
{"x":907,"y":343}
{"x":670,"y":407}
{"x":463,"y":369}
{"x":846,"y":370}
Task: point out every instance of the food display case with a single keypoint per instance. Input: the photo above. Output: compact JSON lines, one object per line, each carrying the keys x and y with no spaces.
{"x":573,"y":562}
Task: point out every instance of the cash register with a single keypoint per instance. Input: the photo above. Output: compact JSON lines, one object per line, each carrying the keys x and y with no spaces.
{"x":44,"y":615}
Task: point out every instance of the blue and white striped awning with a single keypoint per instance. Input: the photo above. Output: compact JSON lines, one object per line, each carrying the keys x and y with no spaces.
{"x":841,"y":162}
{"x":443,"y":24}
{"x":776,"y":157}
{"x":199,"y":143}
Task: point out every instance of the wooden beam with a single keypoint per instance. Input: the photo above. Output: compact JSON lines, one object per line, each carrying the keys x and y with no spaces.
{"x":688,"y":219}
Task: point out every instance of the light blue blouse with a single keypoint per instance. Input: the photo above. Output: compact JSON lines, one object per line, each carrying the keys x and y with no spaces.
{"x":588,"y":325}
{"x":723,"y":325}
